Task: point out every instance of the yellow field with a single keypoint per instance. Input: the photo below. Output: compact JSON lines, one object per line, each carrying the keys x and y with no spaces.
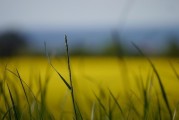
{"x":92,"y":75}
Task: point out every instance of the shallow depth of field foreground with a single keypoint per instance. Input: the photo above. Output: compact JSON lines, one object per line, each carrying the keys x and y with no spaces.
{"x":106,"y":88}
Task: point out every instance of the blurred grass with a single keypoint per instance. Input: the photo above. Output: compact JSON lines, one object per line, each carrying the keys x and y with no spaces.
{"x":103,"y":88}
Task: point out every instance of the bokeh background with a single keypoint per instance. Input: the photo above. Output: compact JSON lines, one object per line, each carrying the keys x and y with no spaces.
{"x":93,"y":27}
{"x":105,"y":70}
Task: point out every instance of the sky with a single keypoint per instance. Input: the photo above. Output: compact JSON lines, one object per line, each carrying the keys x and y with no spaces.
{"x":87,"y":13}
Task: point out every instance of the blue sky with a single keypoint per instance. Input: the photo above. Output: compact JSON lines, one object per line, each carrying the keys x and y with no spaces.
{"x":74,"y":16}
{"x":88,"y":13}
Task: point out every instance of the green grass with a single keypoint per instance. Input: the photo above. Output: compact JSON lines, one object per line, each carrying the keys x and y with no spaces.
{"x":149,"y":103}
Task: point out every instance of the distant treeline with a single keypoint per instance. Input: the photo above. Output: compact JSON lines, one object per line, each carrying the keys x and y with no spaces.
{"x":12,"y":43}
{"x":116,"y":48}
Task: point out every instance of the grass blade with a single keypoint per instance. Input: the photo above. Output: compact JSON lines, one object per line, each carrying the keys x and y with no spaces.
{"x":7,"y":112}
{"x":63,"y":79}
{"x":159,"y":109}
{"x":175,"y":111}
{"x":92,"y":111}
{"x":101,"y":104}
{"x":13,"y":104}
{"x":71,"y":82}
{"x":174,"y":70}
{"x":25,"y":94}
{"x":164,"y":95}
{"x":79,"y":112}
{"x":116,"y":102}
{"x":23,"y":83}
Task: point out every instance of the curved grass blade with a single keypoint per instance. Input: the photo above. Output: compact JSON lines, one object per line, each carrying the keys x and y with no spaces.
{"x":164,"y":95}
{"x":174,"y":70}
{"x":63,"y":79}
{"x":116,"y":102}
{"x":13,"y":104}
{"x":23,"y":83}
{"x":101,"y":104}
{"x":25,"y":94}
{"x":7,"y":112}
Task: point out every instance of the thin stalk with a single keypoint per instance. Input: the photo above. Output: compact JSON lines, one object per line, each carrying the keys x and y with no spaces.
{"x":13,"y":104}
{"x":24,"y":93}
{"x":69,"y":70}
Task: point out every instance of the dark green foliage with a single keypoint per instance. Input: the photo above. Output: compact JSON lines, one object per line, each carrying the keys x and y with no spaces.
{"x":11,"y":43}
{"x":114,"y":47}
{"x":173,"y":46}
